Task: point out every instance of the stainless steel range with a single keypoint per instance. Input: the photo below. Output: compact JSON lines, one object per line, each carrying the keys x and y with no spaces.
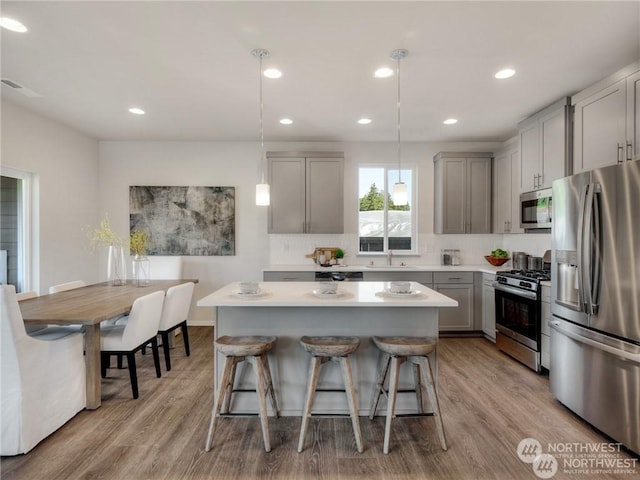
{"x":519,"y":314}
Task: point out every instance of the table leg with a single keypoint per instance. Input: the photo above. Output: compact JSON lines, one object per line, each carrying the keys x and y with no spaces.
{"x":92,"y":362}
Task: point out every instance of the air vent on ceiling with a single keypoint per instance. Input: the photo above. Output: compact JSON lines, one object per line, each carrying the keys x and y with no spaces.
{"x":16,"y":87}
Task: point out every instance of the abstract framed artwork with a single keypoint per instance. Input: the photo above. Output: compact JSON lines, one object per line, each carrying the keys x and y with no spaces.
{"x":198,"y":221}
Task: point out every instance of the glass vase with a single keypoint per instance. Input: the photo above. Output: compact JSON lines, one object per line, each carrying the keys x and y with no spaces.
{"x":116,"y":268}
{"x":141,"y":270}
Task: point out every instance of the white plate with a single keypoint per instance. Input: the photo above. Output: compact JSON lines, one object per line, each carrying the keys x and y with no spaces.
{"x":319,"y":294}
{"x":412,"y":293}
{"x":259,"y":293}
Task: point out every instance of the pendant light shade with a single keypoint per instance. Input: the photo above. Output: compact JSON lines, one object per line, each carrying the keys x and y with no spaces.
{"x":399,"y":193}
{"x":263,"y":193}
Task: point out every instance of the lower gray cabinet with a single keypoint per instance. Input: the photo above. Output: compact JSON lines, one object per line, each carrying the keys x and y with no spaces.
{"x":488,"y":307}
{"x":459,"y":286}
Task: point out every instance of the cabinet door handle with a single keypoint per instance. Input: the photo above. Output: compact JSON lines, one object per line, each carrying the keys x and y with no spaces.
{"x":620,"y":154}
{"x":535,"y":181}
{"x":629,"y":151}
{"x":540,"y":180}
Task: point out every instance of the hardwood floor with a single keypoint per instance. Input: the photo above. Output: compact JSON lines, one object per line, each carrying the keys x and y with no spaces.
{"x":489,"y":404}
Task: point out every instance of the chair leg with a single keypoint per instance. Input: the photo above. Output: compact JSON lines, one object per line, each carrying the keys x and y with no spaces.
{"x":427,"y":378}
{"x":119,"y":357}
{"x":314,"y":370}
{"x":156,"y":356}
{"x":262,"y":399}
{"x":264,"y":360}
{"x":217,"y":401}
{"x":185,"y":337}
{"x":419,"y":388}
{"x":104,"y":363}
{"x":165,"y":349}
{"x":391,"y":404}
{"x":345,"y":365}
{"x":383,"y":368}
{"x":131,"y":362}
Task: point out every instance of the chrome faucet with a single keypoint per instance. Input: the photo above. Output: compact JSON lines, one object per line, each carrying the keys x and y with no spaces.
{"x":389,"y":257}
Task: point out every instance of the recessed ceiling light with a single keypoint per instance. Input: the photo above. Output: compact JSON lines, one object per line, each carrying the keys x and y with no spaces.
{"x":450,"y":121}
{"x":286,"y":121}
{"x":383,"y":72}
{"x":13,"y":25}
{"x":272,"y":73}
{"x":506,"y":73}
{"x":364,"y":121}
{"x":136,"y":111}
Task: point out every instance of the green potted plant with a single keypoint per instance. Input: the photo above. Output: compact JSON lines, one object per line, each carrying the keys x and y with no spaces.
{"x":339,"y":254}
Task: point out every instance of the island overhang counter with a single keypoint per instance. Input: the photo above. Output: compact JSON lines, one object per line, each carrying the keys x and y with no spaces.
{"x":289,"y":310}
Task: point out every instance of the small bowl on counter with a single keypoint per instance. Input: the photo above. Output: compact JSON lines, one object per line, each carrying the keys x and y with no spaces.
{"x":496,"y":261}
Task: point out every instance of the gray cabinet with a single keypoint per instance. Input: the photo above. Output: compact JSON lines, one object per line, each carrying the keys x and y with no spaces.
{"x":306,"y":192}
{"x":488,"y":307}
{"x":462,"y":192}
{"x":544,"y":148}
{"x":279,"y":276}
{"x":506,"y":177}
{"x":459,"y":286}
{"x":607,"y":121}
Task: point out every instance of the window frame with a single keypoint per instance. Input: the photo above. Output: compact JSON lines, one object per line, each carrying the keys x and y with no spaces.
{"x":413,"y":202}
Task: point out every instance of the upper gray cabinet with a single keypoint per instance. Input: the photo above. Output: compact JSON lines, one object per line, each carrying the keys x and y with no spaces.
{"x":544,"y":146}
{"x":506,"y":194}
{"x":306,"y":192}
{"x":462,"y":192}
{"x":607,"y":121}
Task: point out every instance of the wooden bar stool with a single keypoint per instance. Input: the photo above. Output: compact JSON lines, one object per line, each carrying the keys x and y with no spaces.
{"x":336,"y":349}
{"x":252,"y":349}
{"x":394,"y":352}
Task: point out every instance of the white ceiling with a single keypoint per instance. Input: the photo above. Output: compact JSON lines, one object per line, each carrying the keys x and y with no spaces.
{"x":188,"y":64}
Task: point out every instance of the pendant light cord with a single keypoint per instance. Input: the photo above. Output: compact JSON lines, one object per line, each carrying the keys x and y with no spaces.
{"x":398,"y":107}
{"x":261,"y":124}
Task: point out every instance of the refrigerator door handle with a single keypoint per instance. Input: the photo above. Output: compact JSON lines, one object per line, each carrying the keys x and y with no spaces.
{"x":580,"y":248}
{"x":632,"y":357}
{"x":596,"y":252}
{"x":587,"y":251}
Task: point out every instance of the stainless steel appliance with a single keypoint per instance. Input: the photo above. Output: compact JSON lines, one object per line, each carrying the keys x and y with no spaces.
{"x":595,"y":299}
{"x":519,"y":314}
{"x":535,"y":210}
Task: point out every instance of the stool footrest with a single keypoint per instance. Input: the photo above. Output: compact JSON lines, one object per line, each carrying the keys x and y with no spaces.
{"x":330,"y":390}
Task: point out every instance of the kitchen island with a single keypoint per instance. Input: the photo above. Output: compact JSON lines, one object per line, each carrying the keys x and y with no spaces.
{"x":290,"y":310}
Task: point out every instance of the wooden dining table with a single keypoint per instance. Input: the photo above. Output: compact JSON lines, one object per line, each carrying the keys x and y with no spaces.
{"x":89,"y":306}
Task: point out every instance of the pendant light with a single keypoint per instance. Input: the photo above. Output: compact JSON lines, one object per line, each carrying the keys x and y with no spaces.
{"x":399,"y":194}
{"x":263,"y":196}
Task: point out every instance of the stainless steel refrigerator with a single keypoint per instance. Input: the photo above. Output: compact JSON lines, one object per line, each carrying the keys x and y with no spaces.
{"x":595,"y":300}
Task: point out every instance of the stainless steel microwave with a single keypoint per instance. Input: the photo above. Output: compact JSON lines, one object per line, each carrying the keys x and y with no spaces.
{"x":535,"y":210}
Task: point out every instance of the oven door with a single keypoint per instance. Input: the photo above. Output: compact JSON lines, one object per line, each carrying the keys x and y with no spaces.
{"x":518,"y":315}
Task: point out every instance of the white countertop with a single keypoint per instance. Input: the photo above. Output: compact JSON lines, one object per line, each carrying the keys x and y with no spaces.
{"x":301,"y":294}
{"x":484,"y":268}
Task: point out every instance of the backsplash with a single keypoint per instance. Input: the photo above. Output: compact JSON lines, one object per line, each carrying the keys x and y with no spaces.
{"x":291,"y":249}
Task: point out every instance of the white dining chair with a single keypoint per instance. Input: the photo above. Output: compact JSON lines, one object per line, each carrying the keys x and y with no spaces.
{"x":139,"y":329}
{"x":174,"y":315}
{"x":43,"y":382}
{"x":63,"y":287}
